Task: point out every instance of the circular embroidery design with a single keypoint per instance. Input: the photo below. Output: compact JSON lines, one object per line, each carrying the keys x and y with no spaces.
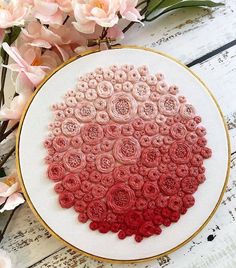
{"x":126,"y":152}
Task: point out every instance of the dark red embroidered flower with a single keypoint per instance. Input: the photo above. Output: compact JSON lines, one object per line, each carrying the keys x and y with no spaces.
{"x":56,"y":172}
{"x":66,"y":199}
{"x":136,"y":182}
{"x":188,"y":200}
{"x":180,"y":152}
{"x":120,"y":198}
{"x":58,"y":188}
{"x":71,"y":182}
{"x":169,"y":184}
{"x":133,"y":219}
{"x":150,"y":190}
{"x":97,"y":210}
{"x":150,"y":157}
{"x":175,"y":203}
{"x":189,"y":185}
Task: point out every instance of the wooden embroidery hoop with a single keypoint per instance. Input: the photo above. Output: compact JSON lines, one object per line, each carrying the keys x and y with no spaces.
{"x":49,"y":228}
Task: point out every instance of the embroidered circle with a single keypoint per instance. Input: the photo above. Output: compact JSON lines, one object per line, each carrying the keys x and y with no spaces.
{"x":126,"y":152}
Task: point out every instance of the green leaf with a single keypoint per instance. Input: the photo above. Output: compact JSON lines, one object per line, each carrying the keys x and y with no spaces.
{"x":14,"y":34}
{"x":167,"y":3}
{"x":159,"y":4}
{"x":10,"y":38}
{"x":2,"y":173}
{"x":181,"y":4}
{"x":153,"y":5}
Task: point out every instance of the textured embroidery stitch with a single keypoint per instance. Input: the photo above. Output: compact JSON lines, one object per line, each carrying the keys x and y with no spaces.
{"x":126,"y":152}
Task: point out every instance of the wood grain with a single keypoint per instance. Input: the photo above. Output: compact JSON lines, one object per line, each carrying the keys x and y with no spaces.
{"x":187,"y":35}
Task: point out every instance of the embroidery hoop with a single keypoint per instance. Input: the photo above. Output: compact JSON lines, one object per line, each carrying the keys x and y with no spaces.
{"x":37,"y":214}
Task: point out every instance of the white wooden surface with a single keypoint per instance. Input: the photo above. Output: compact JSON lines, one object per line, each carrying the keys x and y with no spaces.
{"x":207,"y":41}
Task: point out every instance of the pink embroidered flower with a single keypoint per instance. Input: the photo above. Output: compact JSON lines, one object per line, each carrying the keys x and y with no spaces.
{"x":51,"y":11}
{"x":12,"y":13}
{"x":92,"y":12}
{"x":10,"y":194}
{"x":65,"y":38}
{"x":31,"y":67}
{"x":128,"y":10}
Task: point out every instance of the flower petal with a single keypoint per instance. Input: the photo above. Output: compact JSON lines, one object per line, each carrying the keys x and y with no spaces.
{"x":87,"y":28}
{"x":3,"y":188}
{"x":41,"y":43}
{"x":2,"y":200}
{"x":46,"y":8}
{"x":14,"y":54}
{"x":13,"y":201}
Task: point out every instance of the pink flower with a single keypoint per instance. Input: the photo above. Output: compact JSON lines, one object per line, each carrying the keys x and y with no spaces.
{"x":10,"y":194}
{"x":51,"y":11}
{"x":27,"y":65}
{"x":16,"y":107}
{"x":12,"y":13}
{"x":92,"y":12}
{"x":5,"y":260}
{"x":128,"y":10}
{"x":2,"y":33}
{"x":115,"y":32}
{"x":24,"y":87}
{"x":64,"y":38}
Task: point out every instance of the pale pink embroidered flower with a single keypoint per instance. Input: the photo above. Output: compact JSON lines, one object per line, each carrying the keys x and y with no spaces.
{"x":12,"y":13}
{"x":64,"y":39}
{"x":23,"y":64}
{"x":92,"y":12}
{"x":10,"y":193}
{"x":51,"y":11}
{"x":128,"y":10}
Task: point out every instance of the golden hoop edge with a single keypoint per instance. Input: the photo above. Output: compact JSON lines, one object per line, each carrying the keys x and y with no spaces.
{"x":35,"y":212}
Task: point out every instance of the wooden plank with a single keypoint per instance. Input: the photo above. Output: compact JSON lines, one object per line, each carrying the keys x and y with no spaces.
{"x":185,"y":35}
{"x":29,"y":242}
{"x":189,"y":33}
{"x":26,"y":240}
{"x":219,"y":74}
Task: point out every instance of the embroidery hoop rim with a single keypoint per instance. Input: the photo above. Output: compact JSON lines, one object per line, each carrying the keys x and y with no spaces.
{"x":37,"y":215}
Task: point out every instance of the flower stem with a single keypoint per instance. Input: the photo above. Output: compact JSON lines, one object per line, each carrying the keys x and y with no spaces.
{"x":3,"y":127}
{"x":4,"y":160}
{"x":66,"y":19}
{"x":104,"y":33}
{"x":7,"y":133}
{"x":141,"y":3}
{"x":3,"y":78}
{"x":8,"y":221}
